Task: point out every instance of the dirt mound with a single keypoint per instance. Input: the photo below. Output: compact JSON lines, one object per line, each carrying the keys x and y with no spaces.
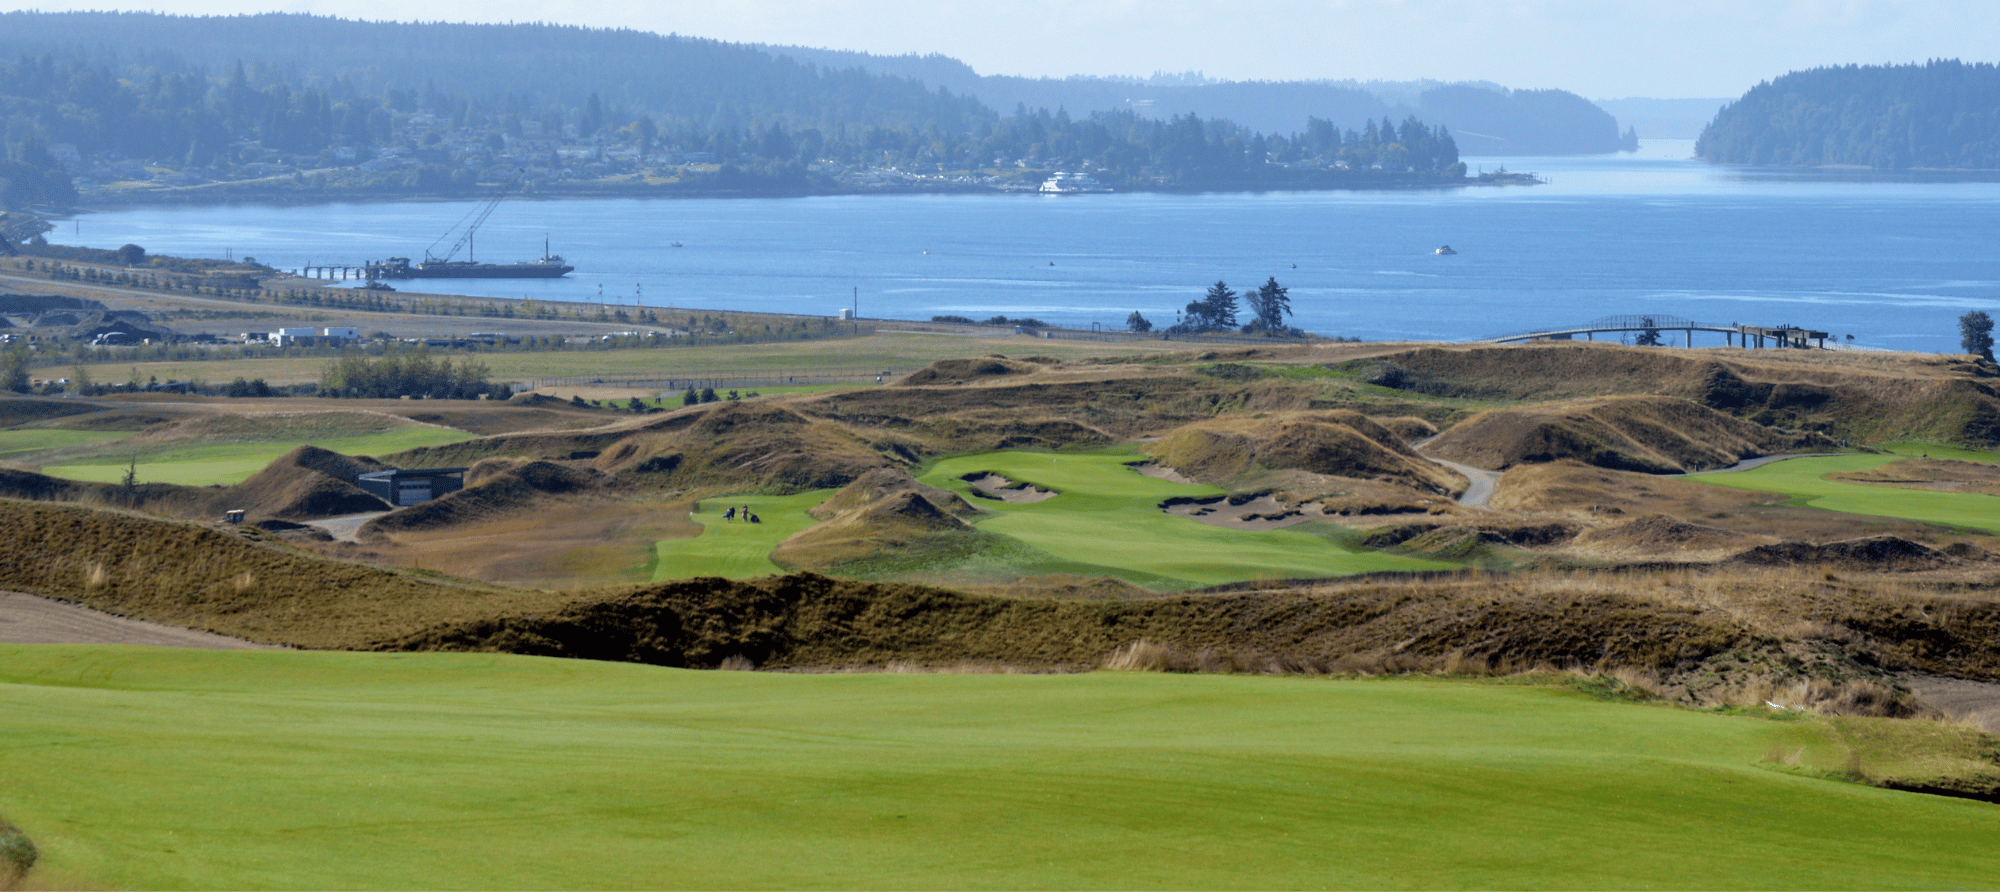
{"x":1651,"y":434}
{"x":16,"y":409}
{"x":1334,"y":444}
{"x":1660,"y":534}
{"x":24,"y":304}
{"x":755,"y":444}
{"x":515,"y":489}
{"x":1572,"y":486}
{"x":966,"y":371}
{"x":1409,"y":428}
{"x":904,"y":528}
{"x":308,"y":483}
{"x":872,"y":487}
{"x":1873,"y":553}
{"x":536,"y":399}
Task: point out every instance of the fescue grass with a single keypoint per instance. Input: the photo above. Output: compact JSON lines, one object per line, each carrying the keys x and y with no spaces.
{"x":227,"y":463}
{"x":149,"y":768}
{"x":1804,"y":479}
{"x":1106,"y":521}
{"x":733,"y":548}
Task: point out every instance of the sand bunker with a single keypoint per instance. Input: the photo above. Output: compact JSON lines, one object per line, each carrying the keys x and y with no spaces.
{"x":994,"y":486}
{"x":1263,"y":512}
{"x":1159,"y":471}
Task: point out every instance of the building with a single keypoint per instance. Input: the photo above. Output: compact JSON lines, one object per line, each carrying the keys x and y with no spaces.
{"x":340,"y":334}
{"x":410,"y":487}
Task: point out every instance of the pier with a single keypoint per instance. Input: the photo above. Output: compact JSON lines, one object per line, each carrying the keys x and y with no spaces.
{"x":1748,"y":336}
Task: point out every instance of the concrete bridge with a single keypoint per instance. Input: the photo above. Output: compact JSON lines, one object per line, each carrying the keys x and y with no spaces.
{"x":1664,"y":325}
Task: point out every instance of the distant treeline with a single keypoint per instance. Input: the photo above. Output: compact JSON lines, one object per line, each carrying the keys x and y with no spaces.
{"x":1942,"y":114}
{"x":1488,"y":118}
{"x":219,"y":96}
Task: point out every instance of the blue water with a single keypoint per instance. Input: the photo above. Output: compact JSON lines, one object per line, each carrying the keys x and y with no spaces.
{"x":1894,"y":263}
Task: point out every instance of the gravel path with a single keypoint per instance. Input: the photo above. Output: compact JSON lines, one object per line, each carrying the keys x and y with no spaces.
{"x":344,"y":527}
{"x":1484,"y":482}
{"x":28,"y":619}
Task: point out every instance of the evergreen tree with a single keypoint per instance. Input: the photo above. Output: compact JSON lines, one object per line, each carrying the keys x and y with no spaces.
{"x":1976,"y":334}
{"x":1216,"y":309}
{"x":1270,"y":303}
{"x":1136,"y":322}
{"x":1649,"y":336}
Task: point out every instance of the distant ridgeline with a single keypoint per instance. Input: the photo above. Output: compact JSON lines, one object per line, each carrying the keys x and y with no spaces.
{"x":295,"y":106}
{"x":1939,"y":115}
{"x":1486,"y":119}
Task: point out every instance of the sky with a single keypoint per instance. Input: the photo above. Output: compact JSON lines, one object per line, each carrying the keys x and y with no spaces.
{"x":1602,"y":49}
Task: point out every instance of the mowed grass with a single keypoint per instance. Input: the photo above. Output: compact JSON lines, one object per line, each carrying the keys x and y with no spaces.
{"x":872,"y":354}
{"x":1805,"y":480}
{"x":229,"y":463}
{"x":151,"y":768}
{"x":732,"y":548}
{"x":1106,"y":519}
{"x":17,"y":443}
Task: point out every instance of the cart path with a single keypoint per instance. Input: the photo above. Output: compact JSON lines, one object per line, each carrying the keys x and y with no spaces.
{"x":29,"y":619}
{"x":1483,"y":481}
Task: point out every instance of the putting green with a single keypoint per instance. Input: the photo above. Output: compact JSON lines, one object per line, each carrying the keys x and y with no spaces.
{"x":1805,"y":480}
{"x":735,"y":549}
{"x":1106,"y":520}
{"x":229,"y":463}
{"x":151,"y":768}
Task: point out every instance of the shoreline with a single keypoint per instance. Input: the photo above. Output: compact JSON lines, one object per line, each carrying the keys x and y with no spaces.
{"x":223,"y":195}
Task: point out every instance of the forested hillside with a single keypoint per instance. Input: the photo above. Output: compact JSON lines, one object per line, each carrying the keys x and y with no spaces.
{"x":134,"y":104}
{"x":1488,"y":119}
{"x":1942,"y":114}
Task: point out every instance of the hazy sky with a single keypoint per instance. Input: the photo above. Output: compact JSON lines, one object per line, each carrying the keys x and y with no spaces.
{"x":1603,"y":49}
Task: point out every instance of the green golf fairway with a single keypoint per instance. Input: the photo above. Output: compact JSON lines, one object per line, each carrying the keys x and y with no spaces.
{"x":1804,"y":479}
{"x":229,"y":463}
{"x":1107,"y":520}
{"x":153,"y":768}
{"x":735,"y":549}
{"x":32,"y":440}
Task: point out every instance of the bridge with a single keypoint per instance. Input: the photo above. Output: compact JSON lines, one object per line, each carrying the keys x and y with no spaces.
{"x":1661,"y":325}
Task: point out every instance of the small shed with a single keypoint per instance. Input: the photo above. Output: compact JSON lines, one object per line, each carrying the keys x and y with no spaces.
{"x":409,"y":487}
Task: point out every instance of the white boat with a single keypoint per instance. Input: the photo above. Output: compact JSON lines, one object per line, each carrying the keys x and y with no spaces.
{"x":1072,"y":184}
{"x":1446,"y":249}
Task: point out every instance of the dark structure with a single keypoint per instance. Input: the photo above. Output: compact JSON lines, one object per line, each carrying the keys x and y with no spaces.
{"x":400,"y":487}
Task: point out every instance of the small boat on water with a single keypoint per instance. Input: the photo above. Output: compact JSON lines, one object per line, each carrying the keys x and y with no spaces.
{"x":1444,"y":249}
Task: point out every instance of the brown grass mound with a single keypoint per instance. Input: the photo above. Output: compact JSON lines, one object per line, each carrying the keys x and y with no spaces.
{"x":1650,"y":434}
{"x":16,"y":409}
{"x":1334,"y":444}
{"x":1660,"y":534}
{"x":520,"y":488}
{"x":903,"y":527}
{"x":966,"y":371}
{"x":747,"y":444}
{"x":1409,"y":428}
{"x":234,"y":581}
{"x":874,"y":486}
{"x":1873,"y":553}
{"x":307,"y":483}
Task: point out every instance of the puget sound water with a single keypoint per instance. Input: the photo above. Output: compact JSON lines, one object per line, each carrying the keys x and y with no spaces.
{"x":1891,"y":261}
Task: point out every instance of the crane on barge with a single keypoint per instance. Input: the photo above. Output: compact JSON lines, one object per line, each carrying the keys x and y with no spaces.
{"x":550,"y":266}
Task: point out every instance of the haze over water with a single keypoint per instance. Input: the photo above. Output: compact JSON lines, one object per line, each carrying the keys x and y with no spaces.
{"x":1894,"y":262}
